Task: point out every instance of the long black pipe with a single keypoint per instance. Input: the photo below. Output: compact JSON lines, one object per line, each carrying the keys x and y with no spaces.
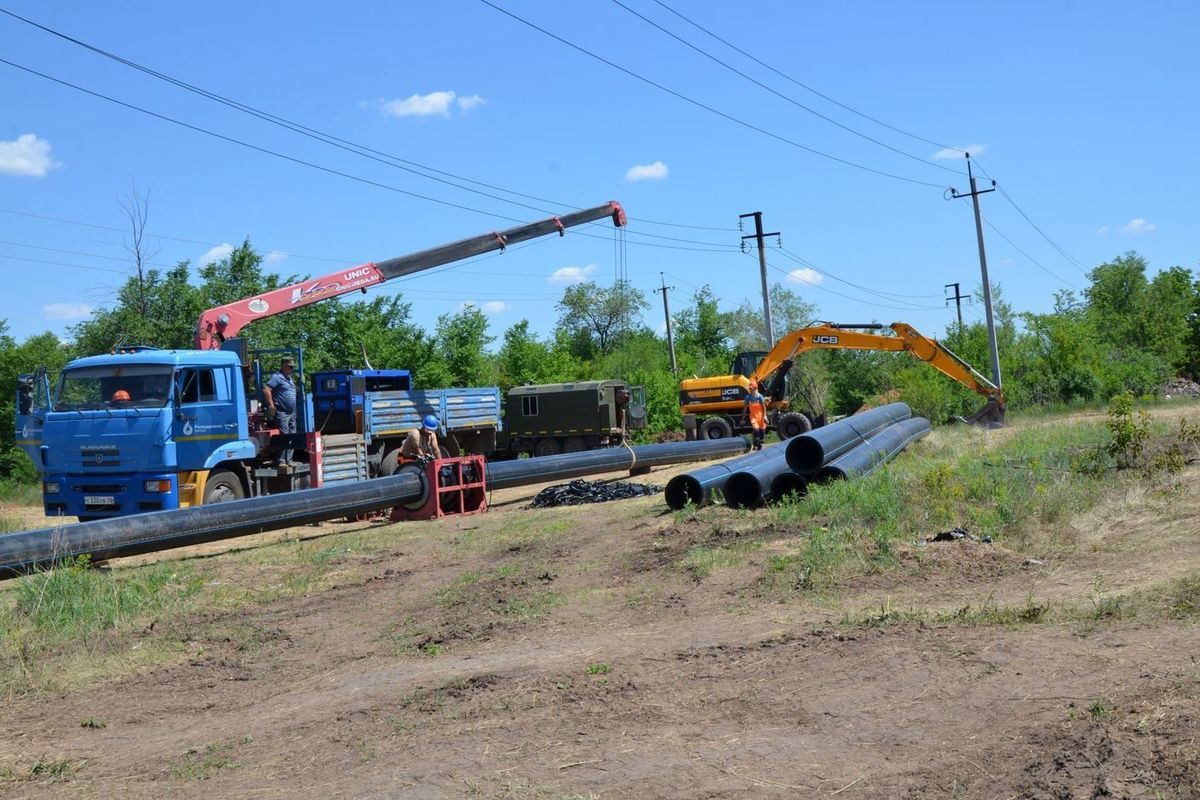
{"x":697,"y":486}
{"x":788,"y":483}
{"x":105,"y":539}
{"x":504,"y":474}
{"x":751,"y":485}
{"x":877,"y":450}
{"x":806,"y":453}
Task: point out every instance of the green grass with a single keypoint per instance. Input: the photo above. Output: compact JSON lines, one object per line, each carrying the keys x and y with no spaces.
{"x":73,"y":610}
{"x":702,"y":561}
{"x":21,"y":494}
{"x":200,"y":764}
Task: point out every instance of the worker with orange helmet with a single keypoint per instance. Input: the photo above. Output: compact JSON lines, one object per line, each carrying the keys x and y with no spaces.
{"x":756,"y":412}
{"x":121,"y":396}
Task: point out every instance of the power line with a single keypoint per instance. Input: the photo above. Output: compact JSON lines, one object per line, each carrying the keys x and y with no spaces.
{"x":61,"y":264}
{"x":1033,"y":260}
{"x":704,"y":106}
{"x":805,"y":86}
{"x":779,"y":94}
{"x":895,"y":298}
{"x":1075,"y":262}
{"x":834,"y":291}
{"x":379,"y":156}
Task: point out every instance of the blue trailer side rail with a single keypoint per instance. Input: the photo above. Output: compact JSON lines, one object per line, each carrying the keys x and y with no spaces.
{"x":393,"y":414}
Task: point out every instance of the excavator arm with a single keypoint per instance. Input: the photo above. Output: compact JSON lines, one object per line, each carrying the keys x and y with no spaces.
{"x":723,"y":395}
{"x":223,"y":322}
{"x":829,"y":336}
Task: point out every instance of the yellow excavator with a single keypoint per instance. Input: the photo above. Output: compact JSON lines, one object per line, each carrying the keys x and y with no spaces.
{"x":713,"y":408}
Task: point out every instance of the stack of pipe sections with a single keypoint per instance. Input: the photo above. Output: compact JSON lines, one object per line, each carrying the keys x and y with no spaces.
{"x":774,"y":472}
{"x":875,"y":451}
{"x":105,"y":539}
{"x":806,"y":454}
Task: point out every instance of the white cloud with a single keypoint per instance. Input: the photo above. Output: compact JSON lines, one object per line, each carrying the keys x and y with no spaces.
{"x":1138,"y":225}
{"x":489,"y":307}
{"x":647,"y":172}
{"x":1102,"y":230}
{"x":434,"y":104}
{"x":62,"y":312}
{"x":216,"y":254}
{"x":467,"y":102}
{"x":274,"y":257}
{"x":806,"y":275}
{"x":571,"y":274}
{"x":27,"y":156}
{"x":947,"y":153}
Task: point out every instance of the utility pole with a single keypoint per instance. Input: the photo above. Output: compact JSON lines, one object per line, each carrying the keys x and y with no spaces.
{"x":667,"y":315}
{"x":987,"y":284}
{"x":762,"y":266}
{"x":957,"y":297}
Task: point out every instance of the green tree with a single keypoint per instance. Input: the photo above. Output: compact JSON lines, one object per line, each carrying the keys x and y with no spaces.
{"x":462,"y":340}
{"x":745,"y":328}
{"x":596,"y":317}
{"x":700,"y":329}
{"x":41,"y":350}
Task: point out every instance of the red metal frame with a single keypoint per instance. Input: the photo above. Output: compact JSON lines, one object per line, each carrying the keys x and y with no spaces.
{"x":457,"y":498}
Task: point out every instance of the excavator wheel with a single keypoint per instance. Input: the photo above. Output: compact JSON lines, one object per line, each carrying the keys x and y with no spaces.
{"x":716,"y":428}
{"x":792,"y":424}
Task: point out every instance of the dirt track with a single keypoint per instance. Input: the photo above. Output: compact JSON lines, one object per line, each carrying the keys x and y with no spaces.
{"x":580,"y":661}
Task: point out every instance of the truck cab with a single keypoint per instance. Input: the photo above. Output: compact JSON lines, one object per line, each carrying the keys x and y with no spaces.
{"x":135,"y":430}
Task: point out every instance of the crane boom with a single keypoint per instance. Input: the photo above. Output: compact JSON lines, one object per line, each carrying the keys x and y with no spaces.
{"x":222,"y":322}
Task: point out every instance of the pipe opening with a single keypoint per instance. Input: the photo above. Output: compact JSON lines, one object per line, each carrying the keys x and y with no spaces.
{"x":684,"y":489}
{"x":743,"y":490}
{"x":788,"y":484}
{"x":805,"y":454}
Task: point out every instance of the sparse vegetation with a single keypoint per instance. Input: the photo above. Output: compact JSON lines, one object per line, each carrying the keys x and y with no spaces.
{"x":202,"y":763}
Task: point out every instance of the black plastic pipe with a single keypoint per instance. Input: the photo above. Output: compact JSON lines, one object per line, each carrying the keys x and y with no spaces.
{"x":162,"y":530}
{"x":808,"y":452}
{"x":877,"y":450}
{"x":503,"y":474}
{"x":697,"y":487}
{"x":788,"y":483}
{"x":105,"y":539}
{"x":751,"y":486}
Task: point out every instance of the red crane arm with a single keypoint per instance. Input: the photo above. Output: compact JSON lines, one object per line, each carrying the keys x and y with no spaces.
{"x":218,"y":324}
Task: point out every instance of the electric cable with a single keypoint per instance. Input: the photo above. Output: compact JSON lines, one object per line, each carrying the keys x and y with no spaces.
{"x":704,"y":106}
{"x":781,"y":95}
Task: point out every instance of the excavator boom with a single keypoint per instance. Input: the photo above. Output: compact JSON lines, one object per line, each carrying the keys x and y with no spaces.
{"x":724,"y":394}
{"x":223,"y":322}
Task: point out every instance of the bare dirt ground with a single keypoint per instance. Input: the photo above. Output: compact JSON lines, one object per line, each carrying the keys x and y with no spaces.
{"x":567,"y":653}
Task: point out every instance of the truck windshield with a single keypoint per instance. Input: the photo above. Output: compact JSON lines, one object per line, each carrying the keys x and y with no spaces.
{"x":114,"y":386}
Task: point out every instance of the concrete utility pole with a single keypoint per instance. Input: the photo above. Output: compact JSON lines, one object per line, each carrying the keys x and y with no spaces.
{"x":987,"y":284}
{"x":957,"y":297}
{"x":667,"y":314}
{"x":762,"y":266}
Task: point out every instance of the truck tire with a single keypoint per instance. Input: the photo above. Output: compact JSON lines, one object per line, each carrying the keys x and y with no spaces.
{"x":792,"y":424}
{"x":574,"y":444}
{"x":716,"y":428}
{"x":221,"y":487}
{"x":390,"y":463}
{"x":547,"y":447}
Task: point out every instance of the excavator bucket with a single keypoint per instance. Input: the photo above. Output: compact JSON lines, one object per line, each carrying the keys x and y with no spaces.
{"x":990,"y":416}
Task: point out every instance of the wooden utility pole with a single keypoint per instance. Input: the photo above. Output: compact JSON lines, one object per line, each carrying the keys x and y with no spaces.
{"x":987,"y":284}
{"x":957,"y":297}
{"x":762,"y":266}
{"x":667,"y":315}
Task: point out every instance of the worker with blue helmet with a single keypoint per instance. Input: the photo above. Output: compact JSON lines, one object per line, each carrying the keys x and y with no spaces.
{"x":422,"y":441}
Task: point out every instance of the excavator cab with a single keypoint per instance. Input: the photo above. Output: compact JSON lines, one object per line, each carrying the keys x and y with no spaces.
{"x":745,"y":363}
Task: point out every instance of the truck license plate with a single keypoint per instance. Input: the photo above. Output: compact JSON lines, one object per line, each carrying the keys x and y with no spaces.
{"x":99,"y":500}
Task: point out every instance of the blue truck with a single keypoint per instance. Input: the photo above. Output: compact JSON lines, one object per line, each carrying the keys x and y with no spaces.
{"x":140,"y":429}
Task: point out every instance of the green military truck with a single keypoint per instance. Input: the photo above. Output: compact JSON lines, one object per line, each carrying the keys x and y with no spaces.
{"x":553,"y":418}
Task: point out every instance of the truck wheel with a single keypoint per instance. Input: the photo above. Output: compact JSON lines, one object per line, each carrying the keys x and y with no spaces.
{"x":390,"y":463}
{"x":792,"y":424}
{"x":716,"y":428}
{"x":547,"y":447}
{"x":574,"y":444}
{"x":221,"y":488}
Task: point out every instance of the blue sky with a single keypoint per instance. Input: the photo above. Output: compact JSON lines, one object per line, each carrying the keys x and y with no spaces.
{"x":1085,"y":113}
